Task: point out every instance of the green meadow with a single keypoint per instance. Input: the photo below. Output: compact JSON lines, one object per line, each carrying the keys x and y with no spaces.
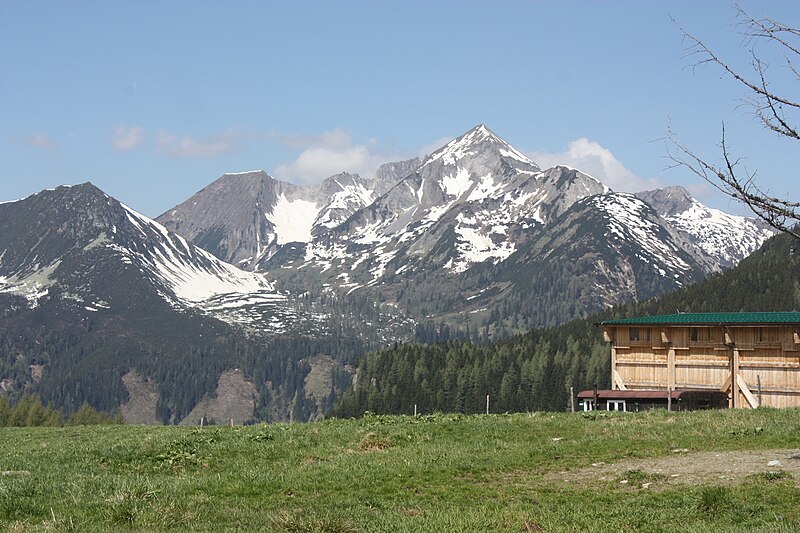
{"x":515,"y":472}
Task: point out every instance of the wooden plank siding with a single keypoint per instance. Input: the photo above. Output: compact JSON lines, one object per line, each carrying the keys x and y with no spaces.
{"x":733,"y":358}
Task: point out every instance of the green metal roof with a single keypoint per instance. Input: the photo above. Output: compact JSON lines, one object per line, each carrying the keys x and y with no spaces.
{"x":713,"y":319}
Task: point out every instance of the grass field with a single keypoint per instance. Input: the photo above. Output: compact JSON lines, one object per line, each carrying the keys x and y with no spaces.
{"x":515,"y":472}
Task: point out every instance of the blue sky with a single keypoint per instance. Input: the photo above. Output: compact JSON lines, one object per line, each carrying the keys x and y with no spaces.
{"x":152,"y":101}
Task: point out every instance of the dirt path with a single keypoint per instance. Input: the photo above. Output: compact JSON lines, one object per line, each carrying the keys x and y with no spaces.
{"x":690,"y":468}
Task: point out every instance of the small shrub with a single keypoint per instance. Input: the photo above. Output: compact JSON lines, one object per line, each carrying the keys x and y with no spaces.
{"x":594,"y":415}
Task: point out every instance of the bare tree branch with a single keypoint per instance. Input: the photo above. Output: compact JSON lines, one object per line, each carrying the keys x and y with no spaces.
{"x":699,"y":48}
{"x":781,"y":214}
{"x":768,"y":28}
{"x":775,"y":120}
{"x":770,"y":108}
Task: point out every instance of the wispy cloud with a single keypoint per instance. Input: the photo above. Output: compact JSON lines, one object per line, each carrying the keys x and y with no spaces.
{"x":127,"y":138}
{"x":592,"y":158}
{"x":188,"y":147}
{"x":41,"y":140}
{"x":327,"y":154}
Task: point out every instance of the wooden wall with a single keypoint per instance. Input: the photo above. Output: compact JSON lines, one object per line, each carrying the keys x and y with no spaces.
{"x":685,"y":357}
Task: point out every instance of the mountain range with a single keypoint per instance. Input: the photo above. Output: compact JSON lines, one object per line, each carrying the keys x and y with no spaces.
{"x":456,"y":236}
{"x":262,"y":292}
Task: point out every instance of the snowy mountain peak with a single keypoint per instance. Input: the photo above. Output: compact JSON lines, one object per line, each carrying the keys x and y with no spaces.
{"x":668,"y":201}
{"x":478,"y":140}
{"x":575,"y":173}
{"x":565,"y":178}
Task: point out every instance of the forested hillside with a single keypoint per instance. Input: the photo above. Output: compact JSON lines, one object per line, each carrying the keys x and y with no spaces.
{"x":535,"y":371}
{"x":181,"y":355}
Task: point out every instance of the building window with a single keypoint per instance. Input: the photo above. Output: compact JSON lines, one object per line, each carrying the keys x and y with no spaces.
{"x":700,"y":335}
{"x":639,"y":334}
{"x":767,"y":335}
{"x":615,"y":405}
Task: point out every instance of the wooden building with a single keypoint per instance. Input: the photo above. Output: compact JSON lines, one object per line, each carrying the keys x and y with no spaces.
{"x":753,"y":357}
{"x":645,"y":400}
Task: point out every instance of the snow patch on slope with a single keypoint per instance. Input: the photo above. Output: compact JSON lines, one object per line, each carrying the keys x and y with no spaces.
{"x":33,"y":286}
{"x":293,"y":219}
{"x":193,"y":274}
{"x":458,"y":184}
{"x":475,"y":243}
{"x":628,"y":221}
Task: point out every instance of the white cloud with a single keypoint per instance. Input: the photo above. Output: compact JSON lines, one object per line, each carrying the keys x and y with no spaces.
{"x":127,"y":138}
{"x":187,"y":146}
{"x":327,"y":154}
{"x":41,"y":140}
{"x":594,"y":159}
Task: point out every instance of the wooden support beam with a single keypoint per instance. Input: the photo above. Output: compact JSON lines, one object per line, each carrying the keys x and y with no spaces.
{"x":619,"y":382}
{"x":671,"y":368}
{"x":726,"y":385}
{"x":734,"y":373}
{"x":613,"y":368}
{"x":749,"y":396}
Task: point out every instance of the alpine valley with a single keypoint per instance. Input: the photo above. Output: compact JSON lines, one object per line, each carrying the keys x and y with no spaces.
{"x":254,"y":298}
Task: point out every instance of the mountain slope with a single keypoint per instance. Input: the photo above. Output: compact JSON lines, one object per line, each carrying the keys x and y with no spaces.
{"x":472,"y":201}
{"x":726,"y":238}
